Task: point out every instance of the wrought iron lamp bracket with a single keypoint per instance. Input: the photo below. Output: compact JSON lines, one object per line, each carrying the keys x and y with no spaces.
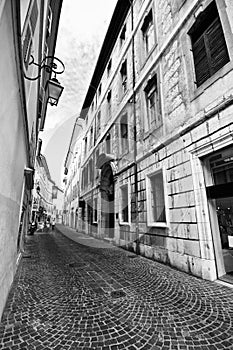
{"x":52,"y":67}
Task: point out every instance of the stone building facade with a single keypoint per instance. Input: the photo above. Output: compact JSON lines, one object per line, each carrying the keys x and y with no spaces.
{"x":43,"y":203}
{"x":157,"y":168}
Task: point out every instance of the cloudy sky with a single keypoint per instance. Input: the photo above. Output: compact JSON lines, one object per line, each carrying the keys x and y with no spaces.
{"x":82,"y":29}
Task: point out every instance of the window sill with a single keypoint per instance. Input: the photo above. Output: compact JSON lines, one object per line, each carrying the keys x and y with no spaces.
{"x":218,"y":75}
{"x":150,"y":132}
{"x":157,"y":224}
{"x":124,"y":223}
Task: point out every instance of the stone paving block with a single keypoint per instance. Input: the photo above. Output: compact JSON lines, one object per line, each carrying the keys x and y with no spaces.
{"x":61,"y":299}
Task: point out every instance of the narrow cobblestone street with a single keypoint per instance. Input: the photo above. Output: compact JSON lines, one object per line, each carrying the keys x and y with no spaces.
{"x":91,"y":295}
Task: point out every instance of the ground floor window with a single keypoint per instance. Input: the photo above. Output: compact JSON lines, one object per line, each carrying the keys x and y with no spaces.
{"x":124,"y":205}
{"x":95,"y":210}
{"x":156,"y":211}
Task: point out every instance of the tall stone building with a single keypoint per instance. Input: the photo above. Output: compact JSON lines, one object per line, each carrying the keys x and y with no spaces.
{"x":28,"y":31}
{"x":43,"y":192}
{"x":157,"y":169}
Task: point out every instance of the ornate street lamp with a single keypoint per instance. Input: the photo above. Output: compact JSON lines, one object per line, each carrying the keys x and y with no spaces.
{"x":53,"y":88}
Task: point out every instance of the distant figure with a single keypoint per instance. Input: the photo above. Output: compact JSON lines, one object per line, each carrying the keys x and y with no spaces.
{"x":53,"y":224}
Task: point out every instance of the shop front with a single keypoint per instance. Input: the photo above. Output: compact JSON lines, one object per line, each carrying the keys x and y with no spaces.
{"x":219,"y":180}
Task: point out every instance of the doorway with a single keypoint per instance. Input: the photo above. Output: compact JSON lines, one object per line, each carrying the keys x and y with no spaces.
{"x":107,"y":201}
{"x":220,"y":195}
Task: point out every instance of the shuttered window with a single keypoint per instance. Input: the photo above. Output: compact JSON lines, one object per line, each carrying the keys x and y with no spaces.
{"x":30,"y":29}
{"x":209,"y":46}
{"x":152,"y":95}
{"x":34,"y":16}
{"x":27,"y":44}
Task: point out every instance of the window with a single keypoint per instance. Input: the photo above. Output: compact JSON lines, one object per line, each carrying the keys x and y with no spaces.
{"x":124,"y":205}
{"x":109,"y":67}
{"x":153,"y":103}
{"x":108,"y":144}
{"x":123,"y":72}
{"x":95,"y":210}
{"x":98,"y":124}
{"x":85,"y":146}
{"x":91,"y":138}
{"x":208,"y":44}
{"x":124,"y":134}
{"x":156,"y":213}
{"x":49,"y":22}
{"x":122,"y":35}
{"x":99,"y":90}
{"x":109,"y":103}
{"x":91,"y":171}
{"x":30,"y":29}
{"x":148,"y":32}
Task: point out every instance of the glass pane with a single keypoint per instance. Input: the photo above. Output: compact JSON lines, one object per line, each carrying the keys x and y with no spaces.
{"x":157,"y":198}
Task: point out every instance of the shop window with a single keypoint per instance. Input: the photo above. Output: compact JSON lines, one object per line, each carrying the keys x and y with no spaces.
{"x":152,"y":95}
{"x":148,"y":32}
{"x":124,"y":134}
{"x":208,"y":44}
{"x":124,"y":205}
{"x":156,"y":211}
{"x":123,"y":73}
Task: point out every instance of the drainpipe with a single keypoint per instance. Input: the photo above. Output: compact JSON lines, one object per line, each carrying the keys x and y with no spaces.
{"x":135,"y":134}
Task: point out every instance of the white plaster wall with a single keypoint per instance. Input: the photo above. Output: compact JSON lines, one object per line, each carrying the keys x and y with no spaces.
{"x":12,"y":155}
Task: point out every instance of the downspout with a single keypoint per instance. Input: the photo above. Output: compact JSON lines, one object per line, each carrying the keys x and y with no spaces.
{"x":135,"y":135}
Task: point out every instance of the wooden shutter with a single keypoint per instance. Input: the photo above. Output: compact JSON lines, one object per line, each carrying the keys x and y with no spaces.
{"x":201,"y":61}
{"x":217,"y":46}
{"x":209,"y":52}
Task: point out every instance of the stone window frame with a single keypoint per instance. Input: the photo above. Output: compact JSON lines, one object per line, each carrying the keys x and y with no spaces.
{"x":148,"y":27}
{"x":195,"y":91}
{"x":150,"y":220}
{"x":201,"y":37}
{"x":124,"y":141}
{"x":123,"y":190}
{"x":151,"y":125}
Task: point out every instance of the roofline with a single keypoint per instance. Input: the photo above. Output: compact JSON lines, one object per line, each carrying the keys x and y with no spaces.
{"x":118,"y":17}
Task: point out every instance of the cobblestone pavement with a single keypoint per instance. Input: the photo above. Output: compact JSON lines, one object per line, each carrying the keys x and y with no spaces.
{"x":68,"y":295}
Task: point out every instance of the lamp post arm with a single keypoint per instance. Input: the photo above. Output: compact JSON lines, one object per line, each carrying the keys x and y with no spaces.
{"x":50,"y":68}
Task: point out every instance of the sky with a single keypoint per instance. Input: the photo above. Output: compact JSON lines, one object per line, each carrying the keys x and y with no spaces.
{"x":82,"y":28}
